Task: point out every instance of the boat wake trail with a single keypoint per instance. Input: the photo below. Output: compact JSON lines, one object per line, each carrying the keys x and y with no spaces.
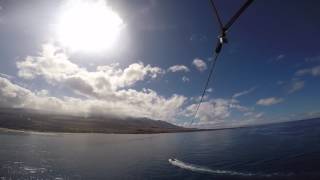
{"x":202,"y":169}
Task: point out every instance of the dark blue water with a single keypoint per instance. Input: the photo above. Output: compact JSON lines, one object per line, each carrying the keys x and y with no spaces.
{"x":282,"y":151}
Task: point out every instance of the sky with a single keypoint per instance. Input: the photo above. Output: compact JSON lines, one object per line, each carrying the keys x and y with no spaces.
{"x":158,"y":58}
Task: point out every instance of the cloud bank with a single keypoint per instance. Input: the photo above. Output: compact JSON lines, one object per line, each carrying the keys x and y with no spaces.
{"x":269,"y":101}
{"x":110,"y":90}
{"x":107,"y":90}
{"x":314,"y":71}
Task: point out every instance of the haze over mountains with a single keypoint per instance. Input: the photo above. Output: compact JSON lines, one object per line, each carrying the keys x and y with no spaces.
{"x":33,"y":120}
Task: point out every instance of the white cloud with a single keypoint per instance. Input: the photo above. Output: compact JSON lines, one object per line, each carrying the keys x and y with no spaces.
{"x":185,"y":79}
{"x":213,"y":110}
{"x":296,"y":86}
{"x":55,"y":67}
{"x":245,"y":92}
{"x":209,"y":90}
{"x":252,"y":114}
{"x":106,"y":90}
{"x":200,"y":64}
{"x":269,"y":101}
{"x":177,"y":68}
{"x":198,"y":98}
{"x":314,"y":71}
{"x":258,"y":115}
{"x":11,"y":95}
{"x":129,"y":102}
{"x":218,"y":113}
{"x":281,"y":56}
{"x":278,"y":58}
{"x":6,"y":76}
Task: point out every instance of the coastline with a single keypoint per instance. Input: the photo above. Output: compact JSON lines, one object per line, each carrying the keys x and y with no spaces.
{"x":139,"y":131}
{"x":29,"y":131}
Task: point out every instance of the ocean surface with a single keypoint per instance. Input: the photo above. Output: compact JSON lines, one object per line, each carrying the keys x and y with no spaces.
{"x":279,"y":151}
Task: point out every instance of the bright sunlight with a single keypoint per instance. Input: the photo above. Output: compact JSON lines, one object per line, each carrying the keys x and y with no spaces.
{"x":89,"y":26}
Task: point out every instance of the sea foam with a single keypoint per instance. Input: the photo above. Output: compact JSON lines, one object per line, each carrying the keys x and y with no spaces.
{"x":203,"y":169}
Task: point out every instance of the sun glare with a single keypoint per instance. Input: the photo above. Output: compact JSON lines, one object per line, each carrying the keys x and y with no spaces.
{"x":89,"y":26}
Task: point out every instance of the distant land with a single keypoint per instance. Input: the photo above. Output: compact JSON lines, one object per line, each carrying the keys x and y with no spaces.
{"x":33,"y":120}
{"x":40,"y":121}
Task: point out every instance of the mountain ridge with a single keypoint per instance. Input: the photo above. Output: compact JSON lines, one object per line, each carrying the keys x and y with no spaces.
{"x":34,"y":120}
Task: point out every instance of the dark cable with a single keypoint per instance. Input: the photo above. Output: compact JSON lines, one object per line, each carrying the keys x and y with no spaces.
{"x":206,"y":85}
{"x":237,"y":14}
{"x":215,"y":10}
{"x":222,"y":39}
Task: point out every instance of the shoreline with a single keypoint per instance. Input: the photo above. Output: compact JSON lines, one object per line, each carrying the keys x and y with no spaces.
{"x":136,"y":131}
{"x":27,"y":131}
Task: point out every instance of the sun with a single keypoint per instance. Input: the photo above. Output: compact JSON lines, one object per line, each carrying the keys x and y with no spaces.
{"x":89,"y":26}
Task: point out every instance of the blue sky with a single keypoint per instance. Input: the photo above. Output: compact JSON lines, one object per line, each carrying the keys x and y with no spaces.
{"x":272,"y":61}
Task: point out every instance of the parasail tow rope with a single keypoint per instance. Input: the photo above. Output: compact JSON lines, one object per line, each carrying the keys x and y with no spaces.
{"x":222,"y":39}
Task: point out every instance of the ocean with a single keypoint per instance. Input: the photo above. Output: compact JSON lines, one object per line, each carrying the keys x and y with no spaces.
{"x":278,"y":151}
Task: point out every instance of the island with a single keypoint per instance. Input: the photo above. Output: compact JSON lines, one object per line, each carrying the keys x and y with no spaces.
{"x":40,"y":121}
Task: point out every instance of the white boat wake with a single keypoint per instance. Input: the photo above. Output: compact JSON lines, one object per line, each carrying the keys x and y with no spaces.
{"x":202,"y":169}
